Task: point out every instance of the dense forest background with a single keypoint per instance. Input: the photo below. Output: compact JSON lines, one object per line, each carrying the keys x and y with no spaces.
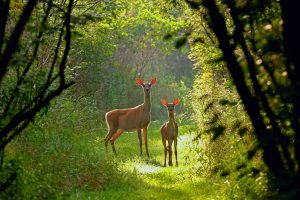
{"x":232,"y":64}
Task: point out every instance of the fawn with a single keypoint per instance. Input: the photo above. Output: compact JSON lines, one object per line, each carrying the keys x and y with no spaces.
{"x":169,"y":131}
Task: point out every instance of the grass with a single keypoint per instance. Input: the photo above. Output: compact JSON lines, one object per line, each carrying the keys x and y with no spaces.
{"x":59,"y":162}
{"x":142,"y":178}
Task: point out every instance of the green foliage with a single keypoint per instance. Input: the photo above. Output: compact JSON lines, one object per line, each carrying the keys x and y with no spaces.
{"x":62,"y":154}
{"x":11,"y":182}
{"x":126,"y":43}
{"x":257,"y":41}
{"x":224,"y":132}
{"x":34,"y":52}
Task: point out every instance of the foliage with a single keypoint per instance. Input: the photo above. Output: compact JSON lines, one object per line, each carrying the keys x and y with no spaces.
{"x":260,"y":54}
{"x":224,"y":129}
{"x":126,"y":43}
{"x":103,"y":71}
{"x":238,"y":103}
{"x":33,"y":71}
{"x":58,"y":155}
{"x":61,"y":157}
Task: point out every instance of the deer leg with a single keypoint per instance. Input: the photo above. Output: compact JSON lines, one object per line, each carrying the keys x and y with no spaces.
{"x":145,"y":140}
{"x":170,"y":151}
{"x":175,"y":147}
{"x":114,"y":138}
{"x":164,"y":141}
{"x":108,"y":137}
{"x":139,"y":131}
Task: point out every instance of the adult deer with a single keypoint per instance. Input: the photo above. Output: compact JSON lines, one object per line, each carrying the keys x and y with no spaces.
{"x":137,"y":118}
{"x":169,"y":131}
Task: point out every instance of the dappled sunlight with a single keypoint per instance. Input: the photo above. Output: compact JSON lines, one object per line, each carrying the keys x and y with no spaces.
{"x":144,"y":169}
{"x":149,"y":99}
{"x":139,"y":166}
{"x":185,"y":139}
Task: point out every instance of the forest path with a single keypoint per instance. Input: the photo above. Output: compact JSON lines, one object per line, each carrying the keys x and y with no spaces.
{"x":133,"y":177}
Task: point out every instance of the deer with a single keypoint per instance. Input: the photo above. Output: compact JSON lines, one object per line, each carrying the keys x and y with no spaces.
{"x":136,"y":118}
{"x":169,"y":131}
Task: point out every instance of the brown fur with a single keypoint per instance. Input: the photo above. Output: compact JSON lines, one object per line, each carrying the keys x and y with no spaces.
{"x":169,"y":132}
{"x":137,"y":118}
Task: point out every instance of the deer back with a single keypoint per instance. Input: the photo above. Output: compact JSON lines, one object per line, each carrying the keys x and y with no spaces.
{"x":129,"y":119}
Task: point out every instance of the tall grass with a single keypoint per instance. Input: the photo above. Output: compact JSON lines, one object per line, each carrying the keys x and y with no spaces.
{"x":62,"y":156}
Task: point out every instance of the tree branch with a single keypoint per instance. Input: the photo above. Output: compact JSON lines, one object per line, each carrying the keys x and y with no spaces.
{"x":22,"y":119}
{"x":15,"y":36}
{"x":257,"y":87}
{"x":68,"y":42}
{"x":271,"y":153}
{"x":291,"y":45}
{"x":29,"y":115}
{"x":28,"y":66}
{"x":4,"y":12}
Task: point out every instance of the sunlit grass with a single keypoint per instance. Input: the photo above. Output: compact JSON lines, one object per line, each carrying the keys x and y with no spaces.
{"x":140,"y":167}
{"x":63,"y":162}
{"x":147,"y":178}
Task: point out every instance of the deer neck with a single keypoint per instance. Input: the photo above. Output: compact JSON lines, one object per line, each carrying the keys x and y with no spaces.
{"x":171,"y":118}
{"x":147,"y":104}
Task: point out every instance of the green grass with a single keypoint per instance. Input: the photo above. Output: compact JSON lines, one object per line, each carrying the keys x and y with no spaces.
{"x":60,"y":162}
{"x":142,"y":178}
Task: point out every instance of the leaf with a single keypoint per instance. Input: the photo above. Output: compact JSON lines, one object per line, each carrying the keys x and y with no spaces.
{"x":217,"y":131}
{"x":242,"y":174}
{"x":237,"y":124}
{"x":233,"y":103}
{"x":198,"y":40}
{"x":202,"y":97}
{"x":255,"y":171}
{"x":214,"y":119}
{"x":192,"y":4}
{"x":240,"y":166}
{"x":225,"y":173}
{"x":251,"y":153}
{"x":242,"y":131}
{"x":168,"y":36}
{"x":208,"y":106}
{"x":224,"y":102}
{"x":180,"y":42}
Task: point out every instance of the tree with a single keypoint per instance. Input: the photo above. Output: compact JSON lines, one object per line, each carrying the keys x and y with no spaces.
{"x":32,"y":69}
{"x":126,"y":41}
{"x":259,"y":43}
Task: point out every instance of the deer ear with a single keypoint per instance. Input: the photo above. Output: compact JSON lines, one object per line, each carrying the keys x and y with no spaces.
{"x":164,"y":102}
{"x":153,"y":81}
{"x":139,"y":81}
{"x":176,"y":101}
